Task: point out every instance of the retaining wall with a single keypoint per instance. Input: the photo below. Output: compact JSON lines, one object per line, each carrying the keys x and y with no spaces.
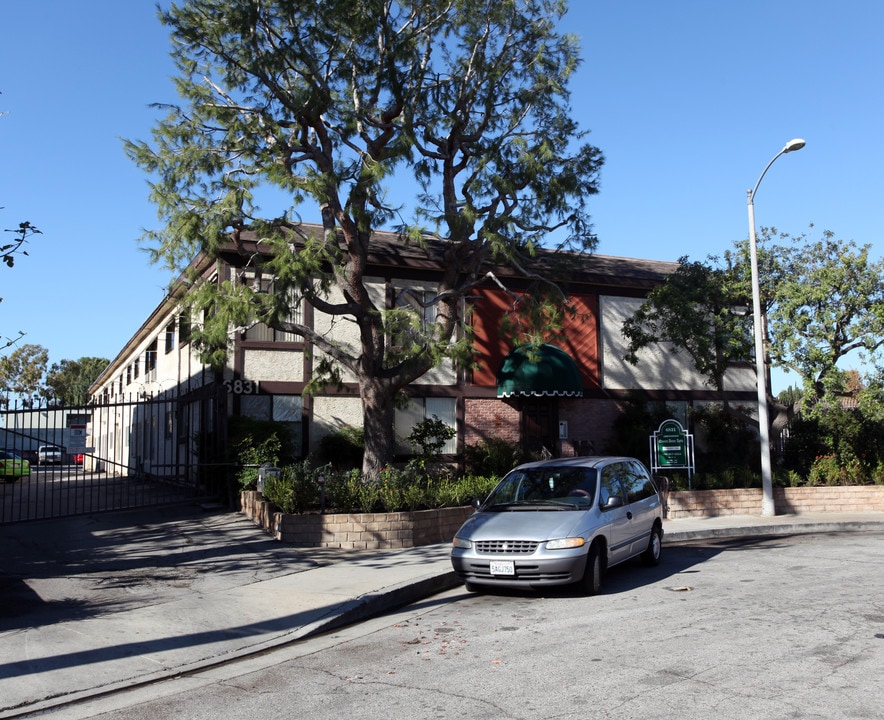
{"x":358,"y":531}
{"x":787,"y":501}
{"x":376,"y":531}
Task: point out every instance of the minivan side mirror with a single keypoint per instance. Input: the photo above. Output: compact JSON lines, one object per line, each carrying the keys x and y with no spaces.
{"x":614,"y":501}
{"x":476,"y":503}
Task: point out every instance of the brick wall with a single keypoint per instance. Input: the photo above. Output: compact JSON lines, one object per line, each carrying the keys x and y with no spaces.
{"x":840,"y":498}
{"x":490,"y":418}
{"x":590,"y":424}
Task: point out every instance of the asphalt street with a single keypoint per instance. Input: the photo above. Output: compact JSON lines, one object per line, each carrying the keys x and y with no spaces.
{"x":100,"y":604}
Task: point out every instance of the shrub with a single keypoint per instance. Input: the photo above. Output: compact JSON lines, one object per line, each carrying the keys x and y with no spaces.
{"x":297,"y":490}
{"x":492,"y":457}
{"x":342,"y":449}
{"x":254,"y":443}
{"x":831,"y":470}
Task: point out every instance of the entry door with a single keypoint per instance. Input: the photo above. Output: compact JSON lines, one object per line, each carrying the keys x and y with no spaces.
{"x":540,"y":426}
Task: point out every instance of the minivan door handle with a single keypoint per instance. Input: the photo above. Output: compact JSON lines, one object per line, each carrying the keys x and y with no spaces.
{"x":629,"y":516}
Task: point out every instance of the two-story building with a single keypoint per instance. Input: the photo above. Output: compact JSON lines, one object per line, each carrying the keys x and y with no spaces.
{"x":562,"y":397}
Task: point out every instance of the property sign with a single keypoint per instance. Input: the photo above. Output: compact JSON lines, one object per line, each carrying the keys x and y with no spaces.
{"x":672,"y":448}
{"x":672,"y":444}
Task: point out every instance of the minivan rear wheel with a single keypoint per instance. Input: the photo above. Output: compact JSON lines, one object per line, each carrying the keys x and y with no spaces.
{"x":591,"y":583}
{"x":651,"y":556}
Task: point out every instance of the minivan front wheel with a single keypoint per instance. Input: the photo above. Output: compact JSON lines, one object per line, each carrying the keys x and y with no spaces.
{"x":651,"y":556}
{"x":591,"y":583}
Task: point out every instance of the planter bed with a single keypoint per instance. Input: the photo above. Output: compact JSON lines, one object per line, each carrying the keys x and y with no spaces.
{"x":358,"y":531}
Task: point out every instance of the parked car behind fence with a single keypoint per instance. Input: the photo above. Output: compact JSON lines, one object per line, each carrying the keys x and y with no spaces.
{"x":49,"y":455}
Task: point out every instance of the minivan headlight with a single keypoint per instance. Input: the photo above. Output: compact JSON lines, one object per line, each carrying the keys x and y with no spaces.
{"x":565,"y":543}
{"x":459,"y":542}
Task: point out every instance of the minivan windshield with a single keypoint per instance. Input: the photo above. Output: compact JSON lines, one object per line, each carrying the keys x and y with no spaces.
{"x":567,"y":488}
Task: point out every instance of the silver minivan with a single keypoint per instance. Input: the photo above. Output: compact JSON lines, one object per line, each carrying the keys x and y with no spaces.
{"x":561,"y":521}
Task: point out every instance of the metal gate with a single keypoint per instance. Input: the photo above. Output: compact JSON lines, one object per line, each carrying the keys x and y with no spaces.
{"x":60,"y":461}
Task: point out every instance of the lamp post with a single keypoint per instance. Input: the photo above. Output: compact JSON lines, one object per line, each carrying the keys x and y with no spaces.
{"x":767,"y":501}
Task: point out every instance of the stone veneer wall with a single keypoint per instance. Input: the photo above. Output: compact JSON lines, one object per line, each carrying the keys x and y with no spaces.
{"x":357,"y":531}
{"x":787,"y":501}
{"x":377,"y":531}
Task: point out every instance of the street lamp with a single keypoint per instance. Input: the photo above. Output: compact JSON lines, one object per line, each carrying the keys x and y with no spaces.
{"x":767,"y":501}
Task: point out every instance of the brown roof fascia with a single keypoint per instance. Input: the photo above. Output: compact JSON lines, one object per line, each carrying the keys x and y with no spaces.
{"x":389,"y":255}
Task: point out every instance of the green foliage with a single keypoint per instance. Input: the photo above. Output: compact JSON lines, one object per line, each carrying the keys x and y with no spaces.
{"x":22,"y":371}
{"x":693,"y":310}
{"x":427,"y":438}
{"x":298,"y":490}
{"x":493,"y":457}
{"x":68,"y":381}
{"x":832,"y":470}
{"x":471,"y":99}
{"x":342,"y":448}
{"x":828,"y":303}
{"x":726,"y":443}
{"x":835,"y":444}
{"x":725,"y":478}
{"x":253,"y":443}
{"x":295,"y":489}
{"x":634,"y":425}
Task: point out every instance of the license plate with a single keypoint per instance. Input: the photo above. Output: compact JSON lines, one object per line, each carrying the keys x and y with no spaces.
{"x":503,"y":567}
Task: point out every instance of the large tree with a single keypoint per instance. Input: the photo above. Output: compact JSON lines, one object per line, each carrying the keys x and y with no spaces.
{"x":329,"y":101}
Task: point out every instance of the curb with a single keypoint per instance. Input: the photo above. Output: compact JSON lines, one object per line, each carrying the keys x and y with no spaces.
{"x":760,"y":531}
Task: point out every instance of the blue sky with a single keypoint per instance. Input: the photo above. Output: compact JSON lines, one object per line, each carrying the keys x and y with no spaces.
{"x":688,"y":99}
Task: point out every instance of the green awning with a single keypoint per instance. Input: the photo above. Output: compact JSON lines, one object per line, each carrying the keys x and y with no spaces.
{"x":539,"y":371}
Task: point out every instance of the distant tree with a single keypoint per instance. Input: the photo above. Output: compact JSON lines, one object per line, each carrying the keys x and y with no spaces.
{"x":822,"y":300}
{"x":68,"y":381}
{"x":22,"y":371}
{"x":828,"y":303}
{"x":326,"y":101}
{"x":790,"y":396}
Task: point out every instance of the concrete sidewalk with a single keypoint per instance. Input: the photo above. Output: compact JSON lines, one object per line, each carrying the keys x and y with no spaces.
{"x":98,"y":604}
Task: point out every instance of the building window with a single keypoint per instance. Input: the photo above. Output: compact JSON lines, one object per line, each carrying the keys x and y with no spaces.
{"x":261,"y":332}
{"x":285,"y":409}
{"x":170,"y":337}
{"x":150,"y":359}
{"x":183,"y":328}
{"x":420,"y":409}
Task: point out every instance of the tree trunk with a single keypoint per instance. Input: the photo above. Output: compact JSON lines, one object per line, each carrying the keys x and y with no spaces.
{"x":378,"y":414}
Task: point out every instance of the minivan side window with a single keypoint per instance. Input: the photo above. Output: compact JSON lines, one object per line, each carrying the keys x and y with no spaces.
{"x":609,"y":485}
{"x":637,"y":481}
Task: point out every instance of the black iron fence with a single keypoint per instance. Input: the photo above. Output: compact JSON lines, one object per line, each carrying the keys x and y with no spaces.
{"x":57,"y":461}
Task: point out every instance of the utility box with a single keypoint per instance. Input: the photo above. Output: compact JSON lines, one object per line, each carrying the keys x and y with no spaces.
{"x":267,"y":471}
